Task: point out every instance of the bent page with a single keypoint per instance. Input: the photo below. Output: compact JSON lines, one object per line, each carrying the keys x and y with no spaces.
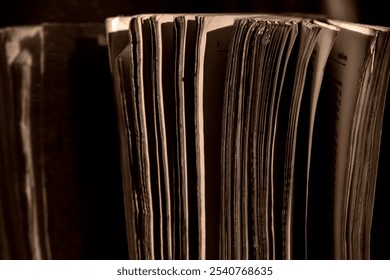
{"x":346,"y":68}
{"x":122,"y":74}
{"x":316,"y":68}
{"x":210,"y":68}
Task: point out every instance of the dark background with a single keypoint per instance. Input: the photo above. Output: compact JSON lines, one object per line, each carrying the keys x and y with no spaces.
{"x":24,"y":12}
{"x":30,"y":12}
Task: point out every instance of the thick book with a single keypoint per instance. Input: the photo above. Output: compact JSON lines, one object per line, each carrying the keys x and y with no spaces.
{"x":60,"y":181}
{"x":248,"y":136}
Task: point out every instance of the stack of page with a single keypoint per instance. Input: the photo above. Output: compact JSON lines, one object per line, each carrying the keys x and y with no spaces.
{"x":240,"y":136}
{"x":248,"y":136}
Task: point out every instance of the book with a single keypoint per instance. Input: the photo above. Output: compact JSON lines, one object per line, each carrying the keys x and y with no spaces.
{"x":248,"y":136}
{"x":60,"y":182}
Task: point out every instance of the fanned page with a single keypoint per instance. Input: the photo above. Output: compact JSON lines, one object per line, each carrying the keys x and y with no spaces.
{"x":307,"y":40}
{"x":283,"y":37}
{"x":326,"y":38}
{"x":236,"y":194}
{"x":375,"y":214}
{"x":365,"y":143}
{"x":155,"y":122}
{"x":189,"y":98}
{"x":379,"y":89}
{"x":181,"y":248}
{"x":126,"y":130}
{"x":347,"y":68}
{"x":241,"y":208}
{"x":211,"y":53}
{"x":230,"y":225}
{"x":356,"y":191}
{"x":250,"y":110}
{"x":226,"y":159}
{"x":142,"y":141}
{"x":117,"y":30}
{"x":186,"y":202}
{"x":276,"y":137}
{"x":163,"y":31}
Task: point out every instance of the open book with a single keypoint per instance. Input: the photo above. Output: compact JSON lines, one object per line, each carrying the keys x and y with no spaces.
{"x":248,"y":136}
